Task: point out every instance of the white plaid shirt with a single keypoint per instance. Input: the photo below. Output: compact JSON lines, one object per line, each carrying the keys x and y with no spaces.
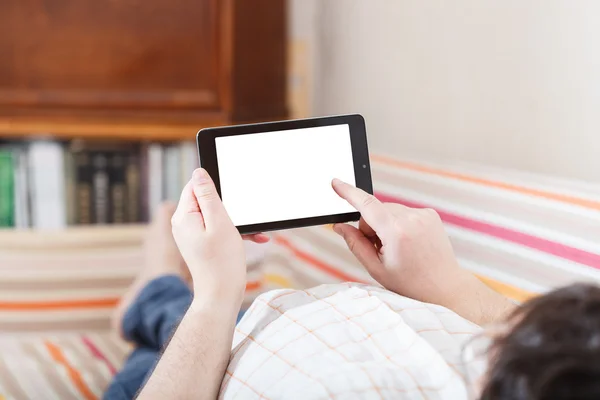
{"x":346,"y":341}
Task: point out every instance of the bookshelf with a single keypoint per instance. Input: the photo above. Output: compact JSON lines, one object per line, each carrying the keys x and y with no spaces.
{"x":72,"y":239}
{"x":15,"y":128}
{"x":144,"y":75}
{"x":152,"y":70}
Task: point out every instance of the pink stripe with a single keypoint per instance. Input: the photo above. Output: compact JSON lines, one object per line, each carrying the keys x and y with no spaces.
{"x":546,"y":246}
{"x":98,"y":354}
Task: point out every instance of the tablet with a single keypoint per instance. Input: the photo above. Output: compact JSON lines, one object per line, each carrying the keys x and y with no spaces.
{"x":277,"y":175}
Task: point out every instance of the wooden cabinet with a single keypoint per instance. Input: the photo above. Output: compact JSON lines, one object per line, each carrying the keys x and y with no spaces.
{"x":156,"y":69}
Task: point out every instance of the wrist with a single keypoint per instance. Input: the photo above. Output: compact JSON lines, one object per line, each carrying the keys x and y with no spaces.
{"x":215,"y":291}
{"x":225,"y":301}
{"x":478,"y":303}
{"x":442,"y":286}
{"x":464,"y":290}
{"x":450,"y":289}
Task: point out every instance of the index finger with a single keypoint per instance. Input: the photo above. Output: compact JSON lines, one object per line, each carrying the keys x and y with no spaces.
{"x":372,"y":210}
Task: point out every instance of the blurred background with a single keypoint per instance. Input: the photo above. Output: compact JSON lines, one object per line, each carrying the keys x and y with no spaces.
{"x":512,"y":84}
{"x":486,"y":111}
{"x":104,"y":100}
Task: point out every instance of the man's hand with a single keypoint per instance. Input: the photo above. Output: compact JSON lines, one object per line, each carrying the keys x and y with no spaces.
{"x":404,"y":249}
{"x":195,"y":359}
{"x":408,"y":252}
{"x":209,"y":242}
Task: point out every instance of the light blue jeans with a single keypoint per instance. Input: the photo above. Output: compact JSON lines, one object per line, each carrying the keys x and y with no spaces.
{"x":149,"y":323}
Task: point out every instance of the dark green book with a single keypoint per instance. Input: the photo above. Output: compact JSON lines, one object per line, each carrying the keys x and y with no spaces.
{"x":7,"y":189}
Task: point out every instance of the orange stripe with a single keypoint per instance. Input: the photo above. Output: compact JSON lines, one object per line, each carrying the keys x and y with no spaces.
{"x":255,"y":285}
{"x":79,"y":304}
{"x":594,"y":205}
{"x":511,"y":292}
{"x":59,"y":305}
{"x":278,"y":280}
{"x":73,"y":373}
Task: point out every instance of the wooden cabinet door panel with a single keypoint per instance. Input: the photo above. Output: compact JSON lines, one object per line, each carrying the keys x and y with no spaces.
{"x":106,"y":54}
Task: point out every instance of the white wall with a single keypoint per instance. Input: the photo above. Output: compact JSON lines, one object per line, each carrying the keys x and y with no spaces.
{"x":513,"y":83}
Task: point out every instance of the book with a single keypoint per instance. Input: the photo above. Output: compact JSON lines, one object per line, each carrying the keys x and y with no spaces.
{"x":144,"y":184}
{"x":172,"y":173}
{"x":21,"y":188}
{"x":82,"y":183}
{"x":132,"y":183}
{"x":7,"y":212}
{"x":118,"y":190}
{"x":104,"y":172}
{"x":70,"y":187}
{"x":100,"y":188}
{"x":154,"y":178}
{"x":47,"y":185}
{"x":189,"y":161}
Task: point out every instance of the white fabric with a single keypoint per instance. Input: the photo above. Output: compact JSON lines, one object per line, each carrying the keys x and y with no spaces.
{"x":347,"y":341}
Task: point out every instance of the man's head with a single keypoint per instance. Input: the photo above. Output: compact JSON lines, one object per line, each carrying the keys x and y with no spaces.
{"x":552,"y":350}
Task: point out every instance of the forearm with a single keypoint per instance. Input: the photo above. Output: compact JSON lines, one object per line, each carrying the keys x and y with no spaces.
{"x":475,"y":301}
{"x":194,"y":362}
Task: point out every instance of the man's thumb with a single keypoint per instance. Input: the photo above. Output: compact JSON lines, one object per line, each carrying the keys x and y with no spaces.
{"x":206,"y":194}
{"x":359,"y":245}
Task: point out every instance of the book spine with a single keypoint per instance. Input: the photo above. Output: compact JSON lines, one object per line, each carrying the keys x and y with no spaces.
{"x":172,"y":173}
{"x":154,"y":178}
{"x":118,"y":190}
{"x":133,"y":197}
{"x":21,"y":183}
{"x":100,"y":188}
{"x":46,"y":161}
{"x":83,"y":188}
{"x":144,"y":183}
{"x":7,"y":217}
{"x":26,"y":178}
{"x":70,"y":187}
{"x":189,"y":161}
{"x":23,"y":195}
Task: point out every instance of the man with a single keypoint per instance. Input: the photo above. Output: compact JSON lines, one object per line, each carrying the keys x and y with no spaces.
{"x":405,"y":250}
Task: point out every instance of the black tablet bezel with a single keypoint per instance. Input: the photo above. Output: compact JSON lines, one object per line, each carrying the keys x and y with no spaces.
{"x":360,"y":155}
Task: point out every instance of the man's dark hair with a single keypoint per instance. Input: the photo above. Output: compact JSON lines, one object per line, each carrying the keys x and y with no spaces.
{"x":552,"y":350}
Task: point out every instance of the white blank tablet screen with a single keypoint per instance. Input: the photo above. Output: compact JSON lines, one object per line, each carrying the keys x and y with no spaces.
{"x":284,"y":175}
